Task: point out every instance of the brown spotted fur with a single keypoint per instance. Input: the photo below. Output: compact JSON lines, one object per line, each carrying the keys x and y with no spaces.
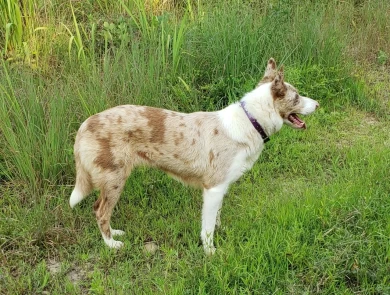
{"x":140,"y":135}
{"x":193,"y":148}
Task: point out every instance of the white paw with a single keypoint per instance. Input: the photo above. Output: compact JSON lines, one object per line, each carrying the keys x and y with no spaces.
{"x":117,"y":232}
{"x":209,"y":251}
{"x":113,"y":243}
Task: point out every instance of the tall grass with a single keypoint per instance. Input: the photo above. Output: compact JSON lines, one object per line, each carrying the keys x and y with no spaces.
{"x":188,"y":62}
{"x":22,"y":32}
{"x":34,"y":132}
{"x":370,"y":25}
{"x":317,"y":203}
{"x":11,"y":21}
{"x":76,"y":39}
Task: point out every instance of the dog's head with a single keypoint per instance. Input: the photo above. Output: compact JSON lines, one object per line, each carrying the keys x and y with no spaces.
{"x":287,"y":101}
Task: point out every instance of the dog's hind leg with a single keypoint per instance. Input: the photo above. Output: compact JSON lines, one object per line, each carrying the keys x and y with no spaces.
{"x":109,"y":196}
{"x":212,"y":202}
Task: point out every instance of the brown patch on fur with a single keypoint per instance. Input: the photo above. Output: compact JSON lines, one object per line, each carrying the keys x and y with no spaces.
{"x":272,"y":63}
{"x":216,"y":131}
{"x":105,"y":158}
{"x":176,"y":156}
{"x":143,"y":155}
{"x":136,"y":135}
{"x":110,"y":118}
{"x":211,"y":156}
{"x":185,"y":176}
{"x":94,"y":124}
{"x":128,"y":136}
{"x":193,"y":141}
{"x":96,"y":205}
{"x":179,"y":139}
{"x":270,"y":72}
{"x":182,"y":125}
{"x":278,"y":88}
{"x":115,"y":187}
{"x":104,"y":225}
{"x":119,"y":120}
{"x":206,"y":185}
{"x":156,"y":121}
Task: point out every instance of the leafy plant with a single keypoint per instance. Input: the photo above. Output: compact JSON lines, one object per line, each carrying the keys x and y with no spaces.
{"x":21,"y":31}
{"x":382,"y":57}
{"x":76,"y":38}
{"x":144,"y":22}
{"x":11,"y":20}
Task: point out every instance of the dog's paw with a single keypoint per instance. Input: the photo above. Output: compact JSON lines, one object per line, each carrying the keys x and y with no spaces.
{"x":117,"y":232}
{"x":209,"y":251}
{"x":113,"y":243}
{"x":116,"y":244}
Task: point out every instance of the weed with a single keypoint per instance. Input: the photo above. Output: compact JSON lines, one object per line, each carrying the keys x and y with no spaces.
{"x":382,"y":57}
{"x":76,"y":39}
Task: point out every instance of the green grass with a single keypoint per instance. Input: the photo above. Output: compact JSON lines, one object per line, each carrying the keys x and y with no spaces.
{"x":311,"y":217}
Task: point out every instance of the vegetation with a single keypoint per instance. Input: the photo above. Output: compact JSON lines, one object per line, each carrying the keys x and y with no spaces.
{"x":312,"y":216}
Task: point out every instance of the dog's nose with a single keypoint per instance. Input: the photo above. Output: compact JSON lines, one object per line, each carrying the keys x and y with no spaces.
{"x":317,"y":106}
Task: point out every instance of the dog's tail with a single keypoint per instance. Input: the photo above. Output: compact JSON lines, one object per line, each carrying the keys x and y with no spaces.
{"x":83,"y":186}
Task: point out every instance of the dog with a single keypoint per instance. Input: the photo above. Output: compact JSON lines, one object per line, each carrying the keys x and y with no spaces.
{"x":208,"y":150}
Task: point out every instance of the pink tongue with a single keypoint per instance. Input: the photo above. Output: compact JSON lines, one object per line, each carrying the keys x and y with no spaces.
{"x":296,"y":121}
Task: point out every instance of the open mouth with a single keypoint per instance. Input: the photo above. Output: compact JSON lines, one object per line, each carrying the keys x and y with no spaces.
{"x":296,"y":121}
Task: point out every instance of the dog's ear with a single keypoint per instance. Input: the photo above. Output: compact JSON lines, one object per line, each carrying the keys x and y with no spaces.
{"x":278,"y":88}
{"x":270,"y":72}
{"x":281,"y":70}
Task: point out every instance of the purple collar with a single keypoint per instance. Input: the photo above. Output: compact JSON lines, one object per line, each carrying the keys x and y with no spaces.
{"x":254,"y":122}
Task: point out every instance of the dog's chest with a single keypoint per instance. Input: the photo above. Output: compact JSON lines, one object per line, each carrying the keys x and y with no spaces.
{"x":251,"y":159}
{"x":242,"y":162}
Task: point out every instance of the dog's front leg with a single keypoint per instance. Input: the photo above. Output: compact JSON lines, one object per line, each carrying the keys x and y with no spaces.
{"x":218,"y":220}
{"x":212,"y":201}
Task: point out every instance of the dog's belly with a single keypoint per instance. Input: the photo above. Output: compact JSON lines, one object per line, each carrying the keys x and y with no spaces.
{"x":187,"y":178}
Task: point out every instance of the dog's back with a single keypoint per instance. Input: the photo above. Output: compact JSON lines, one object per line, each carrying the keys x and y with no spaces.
{"x":209,"y":150}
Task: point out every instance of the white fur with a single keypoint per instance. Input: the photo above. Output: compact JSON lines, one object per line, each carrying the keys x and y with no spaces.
{"x":237,"y":125}
{"x":112,"y":243}
{"x":76,"y":197}
{"x":212,"y":202}
{"x":227,"y":134}
{"x":308,"y":105}
{"x":260,"y":103}
{"x":117,"y":232}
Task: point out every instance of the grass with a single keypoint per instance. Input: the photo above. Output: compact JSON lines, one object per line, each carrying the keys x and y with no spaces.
{"x":311,"y":217}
